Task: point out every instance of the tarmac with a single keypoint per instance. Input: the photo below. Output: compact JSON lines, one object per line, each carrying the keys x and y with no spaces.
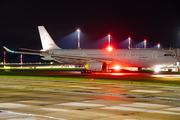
{"x":39,"y":99}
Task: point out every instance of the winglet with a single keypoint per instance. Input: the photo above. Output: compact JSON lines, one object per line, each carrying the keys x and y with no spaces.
{"x":7,"y":49}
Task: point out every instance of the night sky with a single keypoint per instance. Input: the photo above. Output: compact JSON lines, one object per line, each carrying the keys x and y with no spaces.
{"x":157,"y":21}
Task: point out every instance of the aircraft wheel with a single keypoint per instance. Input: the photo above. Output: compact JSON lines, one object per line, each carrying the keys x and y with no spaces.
{"x":108,"y":71}
{"x":82,"y":71}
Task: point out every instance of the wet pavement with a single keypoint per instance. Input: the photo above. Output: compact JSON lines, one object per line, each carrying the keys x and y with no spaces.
{"x":37,"y":99}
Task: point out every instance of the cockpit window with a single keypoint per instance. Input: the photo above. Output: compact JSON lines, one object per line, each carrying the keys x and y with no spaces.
{"x":166,"y":54}
{"x":169,"y":55}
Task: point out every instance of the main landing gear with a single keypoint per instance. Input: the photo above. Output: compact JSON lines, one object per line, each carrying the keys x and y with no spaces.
{"x":86,"y":71}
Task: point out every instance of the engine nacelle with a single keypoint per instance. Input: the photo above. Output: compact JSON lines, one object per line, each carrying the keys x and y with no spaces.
{"x":96,"y":66}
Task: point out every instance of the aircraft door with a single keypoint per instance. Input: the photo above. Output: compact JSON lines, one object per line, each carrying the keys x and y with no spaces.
{"x":154,"y":58}
{"x":154,"y":55}
{"x":128,"y":55}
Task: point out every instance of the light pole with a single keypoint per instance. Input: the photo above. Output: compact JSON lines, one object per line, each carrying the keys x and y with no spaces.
{"x":21,"y":59}
{"x":158,"y":46}
{"x":145,"y":43}
{"x":109,"y":39}
{"x":109,"y":46}
{"x":4,"y":57}
{"x":129,"y":42}
{"x":78,"y":30}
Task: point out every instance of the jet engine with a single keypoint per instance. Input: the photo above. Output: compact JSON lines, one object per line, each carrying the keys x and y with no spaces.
{"x":96,"y":66}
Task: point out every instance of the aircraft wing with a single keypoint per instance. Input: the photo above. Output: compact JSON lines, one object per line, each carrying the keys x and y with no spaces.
{"x":61,"y":56}
{"x":19,"y":52}
{"x":31,"y":50}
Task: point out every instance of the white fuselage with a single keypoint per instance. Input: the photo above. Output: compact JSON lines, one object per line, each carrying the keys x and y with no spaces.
{"x":126,"y":57}
{"x":100,"y":59}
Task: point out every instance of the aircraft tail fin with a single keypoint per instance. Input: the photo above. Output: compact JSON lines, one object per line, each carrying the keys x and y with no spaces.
{"x":46,"y":40}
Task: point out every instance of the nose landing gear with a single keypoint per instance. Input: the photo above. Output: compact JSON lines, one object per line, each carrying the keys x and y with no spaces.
{"x":86,"y":71}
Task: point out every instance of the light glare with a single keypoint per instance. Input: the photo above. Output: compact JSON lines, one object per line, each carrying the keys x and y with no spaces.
{"x":157,"y":68}
{"x":117,"y":67}
{"x":78,"y":30}
{"x":109,"y":48}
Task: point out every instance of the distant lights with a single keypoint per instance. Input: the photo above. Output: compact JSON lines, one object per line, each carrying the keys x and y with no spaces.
{"x":7,"y":67}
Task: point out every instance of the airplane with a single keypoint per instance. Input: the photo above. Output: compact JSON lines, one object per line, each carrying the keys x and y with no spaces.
{"x":99,"y":60}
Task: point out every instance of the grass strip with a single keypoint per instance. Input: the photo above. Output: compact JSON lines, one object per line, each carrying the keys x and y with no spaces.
{"x":149,"y":81}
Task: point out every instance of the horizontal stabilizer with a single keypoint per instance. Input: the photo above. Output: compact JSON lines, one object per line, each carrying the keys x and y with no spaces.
{"x":31,"y":50}
{"x":7,"y":49}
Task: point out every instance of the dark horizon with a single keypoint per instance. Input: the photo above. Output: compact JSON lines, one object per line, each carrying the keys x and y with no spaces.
{"x":156,"y":21}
